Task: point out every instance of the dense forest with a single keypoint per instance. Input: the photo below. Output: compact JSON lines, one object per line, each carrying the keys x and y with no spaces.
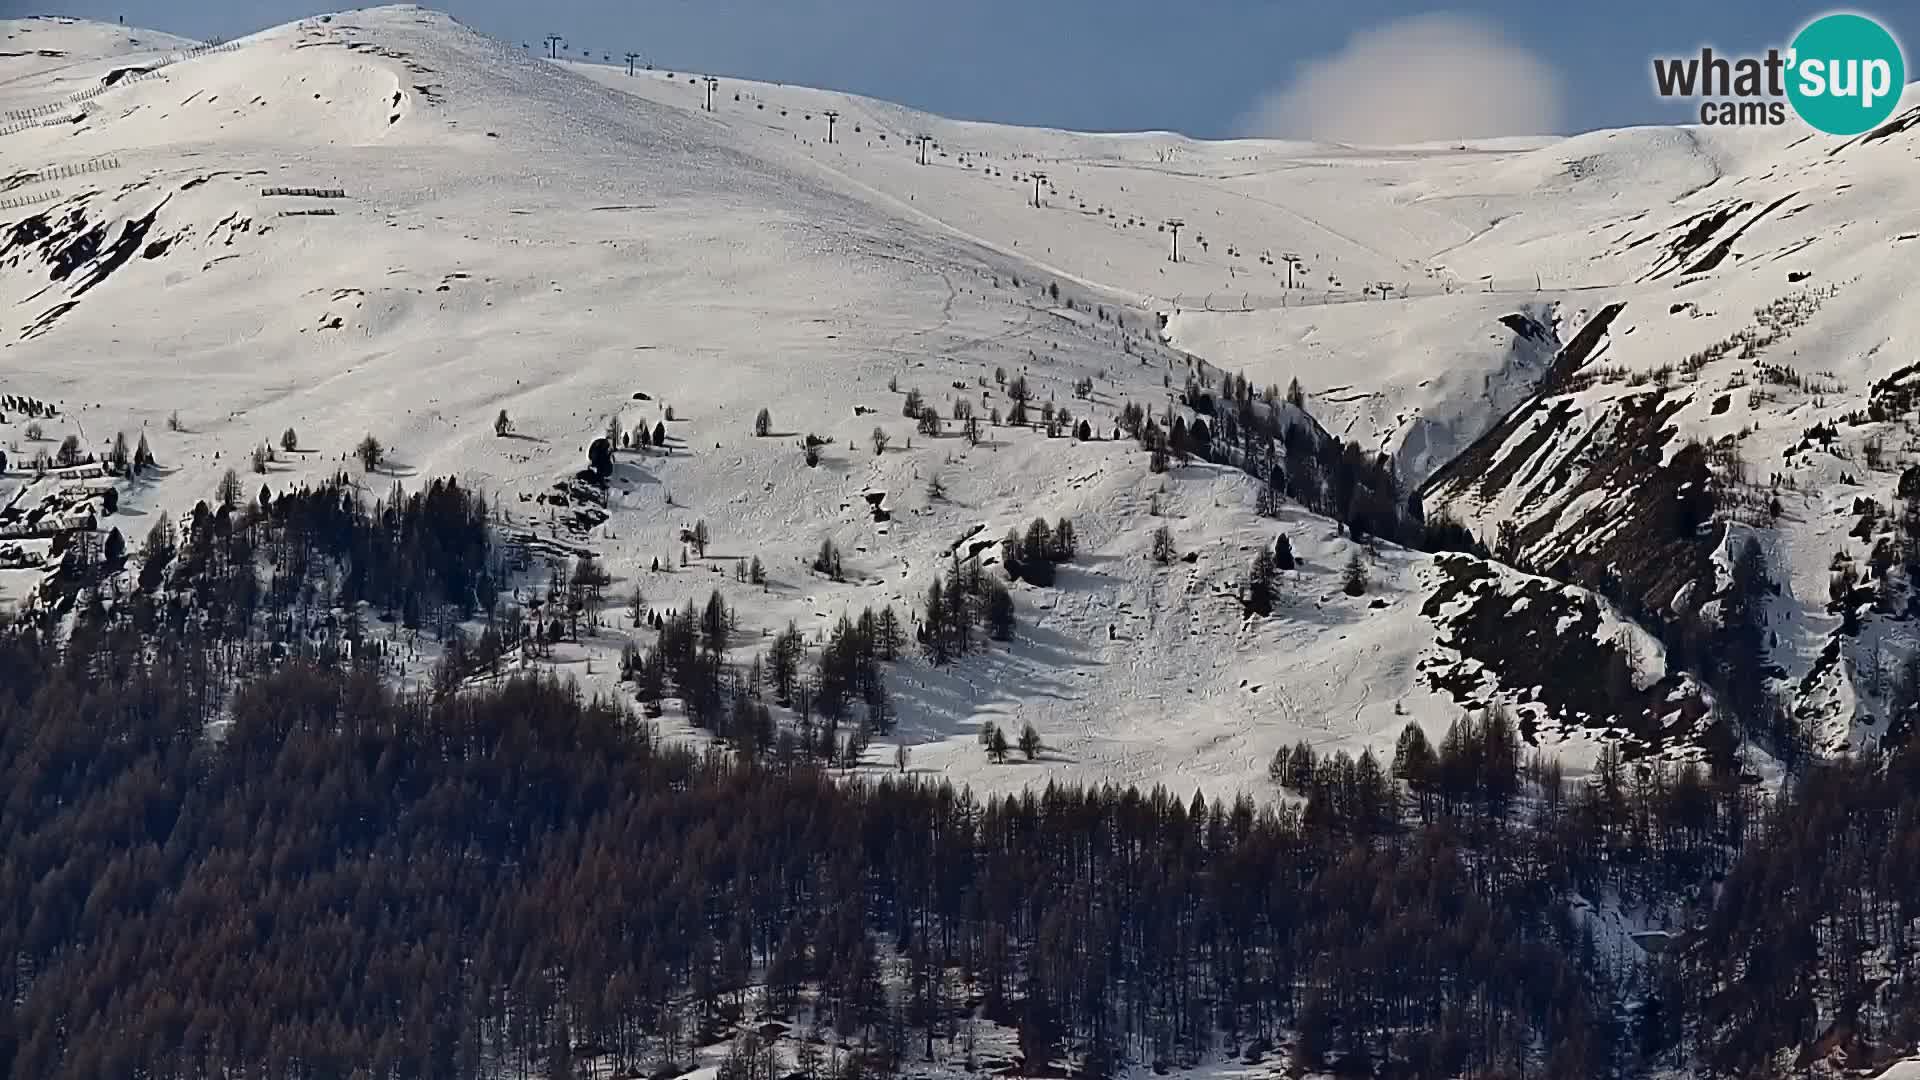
{"x":357,"y":882}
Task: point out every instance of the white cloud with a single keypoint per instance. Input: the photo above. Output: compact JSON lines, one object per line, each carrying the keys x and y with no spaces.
{"x":1420,"y":79}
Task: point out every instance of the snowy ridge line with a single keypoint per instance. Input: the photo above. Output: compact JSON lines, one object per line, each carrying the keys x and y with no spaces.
{"x":17,"y":201}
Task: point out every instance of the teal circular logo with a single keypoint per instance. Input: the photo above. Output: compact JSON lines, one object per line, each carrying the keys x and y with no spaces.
{"x":1845,"y":74}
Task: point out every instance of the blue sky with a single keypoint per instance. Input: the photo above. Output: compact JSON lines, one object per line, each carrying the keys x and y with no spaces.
{"x":1197,"y":66}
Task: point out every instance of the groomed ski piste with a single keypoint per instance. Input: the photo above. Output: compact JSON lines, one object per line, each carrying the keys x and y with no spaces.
{"x":472,"y":229}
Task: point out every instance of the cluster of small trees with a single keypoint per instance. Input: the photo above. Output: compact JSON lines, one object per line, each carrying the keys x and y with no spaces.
{"x":85,"y":557}
{"x":1177,"y":441}
{"x":573,"y":593}
{"x":1054,"y":421}
{"x":420,"y":558}
{"x":1478,"y":764}
{"x":1032,"y":558}
{"x":958,"y":602}
{"x":1289,"y":454}
{"x":600,"y":451}
{"x":750,"y":571}
{"x":124,"y":462}
{"x":639,"y":439}
{"x":689,"y":659}
{"x":993,"y":739}
{"x":849,"y":668}
{"x":1342,"y":792}
{"x":927,"y":420}
{"x":27,"y":406}
{"x":69,"y":453}
{"x":1478,"y":761}
{"x":690,"y":653}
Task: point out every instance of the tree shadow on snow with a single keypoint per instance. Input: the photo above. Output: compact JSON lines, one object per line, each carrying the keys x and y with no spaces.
{"x":626,"y":471}
{"x":394,"y":470}
{"x":940,"y":703}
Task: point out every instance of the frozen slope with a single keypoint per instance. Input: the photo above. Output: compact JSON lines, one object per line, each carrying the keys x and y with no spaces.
{"x":1440,"y":242}
{"x":48,"y":56}
{"x":514,"y":237}
{"x":574,"y":245}
{"x":1755,"y":286}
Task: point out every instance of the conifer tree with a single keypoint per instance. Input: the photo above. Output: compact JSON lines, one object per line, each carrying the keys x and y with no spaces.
{"x":1353,"y":579}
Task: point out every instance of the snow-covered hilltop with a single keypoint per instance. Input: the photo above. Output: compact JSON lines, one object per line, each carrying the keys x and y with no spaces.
{"x":382,"y":223}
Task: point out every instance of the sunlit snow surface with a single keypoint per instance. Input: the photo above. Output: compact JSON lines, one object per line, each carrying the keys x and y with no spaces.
{"x":558,"y":239}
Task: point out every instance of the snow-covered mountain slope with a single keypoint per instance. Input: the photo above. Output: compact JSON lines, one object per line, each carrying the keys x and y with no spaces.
{"x":1757,"y":352}
{"x":52,"y":54}
{"x":380,"y":222}
{"x":512,"y":236}
{"x":1445,"y":241}
{"x":1420,"y":379}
